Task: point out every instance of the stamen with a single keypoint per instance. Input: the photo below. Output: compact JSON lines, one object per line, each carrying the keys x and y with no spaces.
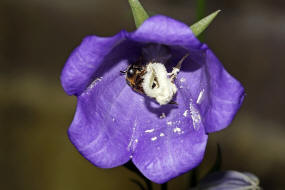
{"x":177,"y":68}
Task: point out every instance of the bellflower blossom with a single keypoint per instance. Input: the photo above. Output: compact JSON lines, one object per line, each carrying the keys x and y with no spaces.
{"x":114,"y":124}
{"x":232,"y":180}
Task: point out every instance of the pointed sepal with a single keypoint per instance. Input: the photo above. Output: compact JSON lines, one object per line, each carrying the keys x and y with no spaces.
{"x":202,"y":24}
{"x":139,"y":13}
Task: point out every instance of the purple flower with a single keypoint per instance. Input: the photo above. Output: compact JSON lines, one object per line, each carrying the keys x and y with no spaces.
{"x":226,"y":180}
{"x":114,"y":124}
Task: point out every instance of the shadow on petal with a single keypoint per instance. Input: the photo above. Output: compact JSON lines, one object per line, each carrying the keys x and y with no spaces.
{"x":158,"y":110}
{"x":193,"y":62}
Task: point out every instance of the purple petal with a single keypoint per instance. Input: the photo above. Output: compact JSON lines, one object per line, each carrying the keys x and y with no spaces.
{"x":229,"y":180}
{"x":226,"y":95}
{"x":217,"y":94}
{"x":98,"y":130}
{"x":168,"y":147}
{"x":81,"y":66}
{"x":165,"y":30}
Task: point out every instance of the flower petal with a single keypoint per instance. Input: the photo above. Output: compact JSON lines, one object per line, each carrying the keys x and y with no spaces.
{"x":225,"y":96}
{"x":225,"y":180}
{"x":217,"y":94}
{"x":169,"y":146}
{"x":165,"y":30}
{"x":79,"y":69}
{"x":100,"y":130}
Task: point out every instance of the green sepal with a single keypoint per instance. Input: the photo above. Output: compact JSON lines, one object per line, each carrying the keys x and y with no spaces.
{"x":139,"y":13}
{"x":202,"y":24}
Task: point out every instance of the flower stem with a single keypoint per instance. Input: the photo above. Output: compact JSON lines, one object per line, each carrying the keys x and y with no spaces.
{"x":164,"y":186}
{"x":193,"y":178}
{"x":148,"y":184}
{"x":200,"y":13}
{"x":130,"y":166}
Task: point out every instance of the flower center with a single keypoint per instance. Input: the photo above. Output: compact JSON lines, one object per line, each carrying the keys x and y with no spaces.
{"x":159,"y":84}
{"x":152,"y":79}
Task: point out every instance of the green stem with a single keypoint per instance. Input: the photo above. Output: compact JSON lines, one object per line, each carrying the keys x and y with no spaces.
{"x":130,"y":166}
{"x":148,"y":184}
{"x":193,"y":178}
{"x":201,"y":8}
{"x":164,"y":186}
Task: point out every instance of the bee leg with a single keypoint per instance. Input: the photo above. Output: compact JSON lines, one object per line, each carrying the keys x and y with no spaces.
{"x":138,"y":81}
{"x":123,"y":72}
{"x":173,"y":102}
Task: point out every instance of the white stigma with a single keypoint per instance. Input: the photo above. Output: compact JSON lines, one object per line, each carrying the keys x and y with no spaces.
{"x":158,"y":83}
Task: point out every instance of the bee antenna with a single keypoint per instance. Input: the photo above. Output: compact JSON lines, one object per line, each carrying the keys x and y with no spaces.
{"x":123,"y":72}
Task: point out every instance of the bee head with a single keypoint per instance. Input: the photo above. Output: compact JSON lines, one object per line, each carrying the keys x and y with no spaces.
{"x":131,"y":72}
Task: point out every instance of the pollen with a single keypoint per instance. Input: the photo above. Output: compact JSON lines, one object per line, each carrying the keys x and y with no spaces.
{"x":149,"y":131}
{"x":162,"y":116}
{"x":158,"y":83}
{"x":153,"y":138}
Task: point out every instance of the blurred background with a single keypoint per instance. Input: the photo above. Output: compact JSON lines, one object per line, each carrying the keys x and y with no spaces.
{"x":37,"y":36}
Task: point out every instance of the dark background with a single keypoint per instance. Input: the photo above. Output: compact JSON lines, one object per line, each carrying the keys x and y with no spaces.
{"x":37,"y":36}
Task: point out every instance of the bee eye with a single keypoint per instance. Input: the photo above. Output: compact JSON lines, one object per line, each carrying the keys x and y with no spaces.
{"x":131,"y":72}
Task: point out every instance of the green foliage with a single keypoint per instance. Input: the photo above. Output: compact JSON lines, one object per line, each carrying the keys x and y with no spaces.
{"x":140,"y":15}
{"x":202,"y":24}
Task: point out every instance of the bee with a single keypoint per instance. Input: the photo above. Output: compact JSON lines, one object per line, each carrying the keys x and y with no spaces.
{"x":134,"y":76}
{"x":153,"y":80}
